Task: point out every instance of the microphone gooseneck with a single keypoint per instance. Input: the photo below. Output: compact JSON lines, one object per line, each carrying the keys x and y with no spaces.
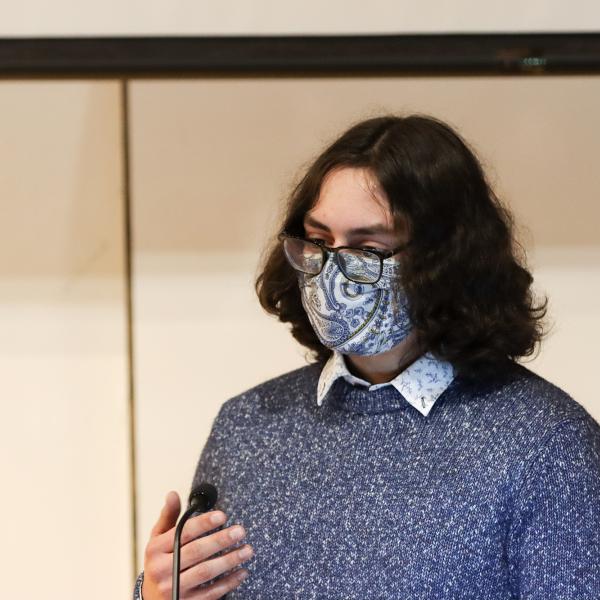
{"x":202,"y":498}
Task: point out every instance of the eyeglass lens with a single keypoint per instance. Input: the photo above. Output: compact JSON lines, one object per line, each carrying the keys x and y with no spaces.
{"x":303,"y":256}
{"x":358,"y":265}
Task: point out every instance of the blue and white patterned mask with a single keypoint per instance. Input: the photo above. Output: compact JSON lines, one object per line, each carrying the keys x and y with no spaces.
{"x":355,"y":318}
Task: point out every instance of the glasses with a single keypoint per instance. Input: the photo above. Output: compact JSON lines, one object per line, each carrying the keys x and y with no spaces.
{"x":358,"y":265}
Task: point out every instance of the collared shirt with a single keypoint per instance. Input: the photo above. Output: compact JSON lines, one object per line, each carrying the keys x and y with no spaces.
{"x":420,"y":384}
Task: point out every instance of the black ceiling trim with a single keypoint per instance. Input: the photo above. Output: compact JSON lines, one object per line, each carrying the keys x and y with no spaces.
{"x":497,"y":53}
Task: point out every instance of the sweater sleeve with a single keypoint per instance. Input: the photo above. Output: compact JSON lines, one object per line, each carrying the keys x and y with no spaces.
{"x":553,"y":544}
{"x":137,"y":589}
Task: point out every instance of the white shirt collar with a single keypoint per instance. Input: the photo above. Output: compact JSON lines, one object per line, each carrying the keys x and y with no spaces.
{"x":421,"y":383}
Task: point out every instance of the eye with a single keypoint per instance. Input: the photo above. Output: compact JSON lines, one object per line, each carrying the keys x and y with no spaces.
{"x":316,"y":240}
{"x":371,"y":248}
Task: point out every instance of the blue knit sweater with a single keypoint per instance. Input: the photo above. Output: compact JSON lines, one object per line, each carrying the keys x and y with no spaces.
{"x":494,"y":495}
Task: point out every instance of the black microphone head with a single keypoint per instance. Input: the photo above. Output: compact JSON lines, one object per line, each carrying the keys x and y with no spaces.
{"x":203,"y":497}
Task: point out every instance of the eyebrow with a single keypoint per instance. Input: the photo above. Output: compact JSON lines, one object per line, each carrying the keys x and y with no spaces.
{"x":370,"y":230}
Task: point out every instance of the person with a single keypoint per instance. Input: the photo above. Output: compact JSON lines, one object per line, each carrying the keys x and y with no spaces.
{"x":414,"y":455}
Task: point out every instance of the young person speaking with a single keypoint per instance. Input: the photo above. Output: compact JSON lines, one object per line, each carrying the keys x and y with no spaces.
{"x":413,"y":457}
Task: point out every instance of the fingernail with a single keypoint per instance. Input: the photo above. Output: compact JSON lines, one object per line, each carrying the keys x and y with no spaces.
{"x":217,"y":518}
{"x":242,"y":575}
{"x":237,"y":533}
{"x":245,"y":552}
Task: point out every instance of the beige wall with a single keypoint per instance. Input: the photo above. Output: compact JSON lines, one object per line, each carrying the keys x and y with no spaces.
{"x":211,"y":161}
{"x":64,"y":439}
{"x":264,"y":17}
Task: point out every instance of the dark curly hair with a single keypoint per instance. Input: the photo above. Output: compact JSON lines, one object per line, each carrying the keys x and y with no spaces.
{"x":464,"y":274}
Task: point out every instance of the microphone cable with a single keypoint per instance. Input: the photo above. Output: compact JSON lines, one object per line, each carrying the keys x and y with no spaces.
{"x":202,"y":499}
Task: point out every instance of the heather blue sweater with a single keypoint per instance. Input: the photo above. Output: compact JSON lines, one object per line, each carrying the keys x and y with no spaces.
{"x":495,"y":494}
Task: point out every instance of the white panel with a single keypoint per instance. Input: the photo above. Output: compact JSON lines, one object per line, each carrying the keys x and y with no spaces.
{"x":213,"y":161}
{"x":64,"y":432}
{"x":570,"y":277}
{"x":254,"y":17}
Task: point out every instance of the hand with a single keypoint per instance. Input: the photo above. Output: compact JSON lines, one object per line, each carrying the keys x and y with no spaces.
{"x":196,"y":569}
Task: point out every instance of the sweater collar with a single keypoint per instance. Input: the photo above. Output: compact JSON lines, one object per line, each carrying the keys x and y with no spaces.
{"x":420,"y":384}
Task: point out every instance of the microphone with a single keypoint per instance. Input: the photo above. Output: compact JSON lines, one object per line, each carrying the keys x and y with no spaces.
{"x":202,"y":498}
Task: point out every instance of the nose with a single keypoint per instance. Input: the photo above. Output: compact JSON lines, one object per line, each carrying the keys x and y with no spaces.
{"x":338,"y":241}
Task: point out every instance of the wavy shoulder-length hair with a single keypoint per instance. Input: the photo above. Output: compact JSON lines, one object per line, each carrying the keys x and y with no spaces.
{"x":468,"y":289}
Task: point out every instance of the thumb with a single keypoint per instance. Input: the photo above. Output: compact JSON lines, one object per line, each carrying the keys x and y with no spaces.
{"x":168,"y":515}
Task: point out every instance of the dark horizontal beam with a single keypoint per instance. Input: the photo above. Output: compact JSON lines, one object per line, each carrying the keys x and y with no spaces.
{"x":342,"y":54}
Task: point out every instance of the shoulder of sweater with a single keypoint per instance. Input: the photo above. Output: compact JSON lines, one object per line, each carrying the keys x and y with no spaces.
{"x":569,"y":448}
{"x":520,"y":414}
{"x":287,"y":388}
{"x":535,"y":402}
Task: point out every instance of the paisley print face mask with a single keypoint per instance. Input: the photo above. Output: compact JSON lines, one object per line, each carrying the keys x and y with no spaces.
{"x":355,"y":318}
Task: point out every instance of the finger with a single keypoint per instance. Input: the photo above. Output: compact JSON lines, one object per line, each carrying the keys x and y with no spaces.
{"x":220,"y":587}
{"x":209,"y":569}
{"x":192,"y":529}
{"x":204,"y":547}
{"x":168,"y":514}
{"x":202,"y":524}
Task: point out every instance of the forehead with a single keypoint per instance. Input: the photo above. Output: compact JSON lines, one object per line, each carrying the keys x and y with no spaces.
{"x":351,"y":196}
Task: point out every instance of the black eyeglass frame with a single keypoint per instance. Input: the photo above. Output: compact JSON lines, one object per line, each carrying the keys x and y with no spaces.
{"x":380,"y":254}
